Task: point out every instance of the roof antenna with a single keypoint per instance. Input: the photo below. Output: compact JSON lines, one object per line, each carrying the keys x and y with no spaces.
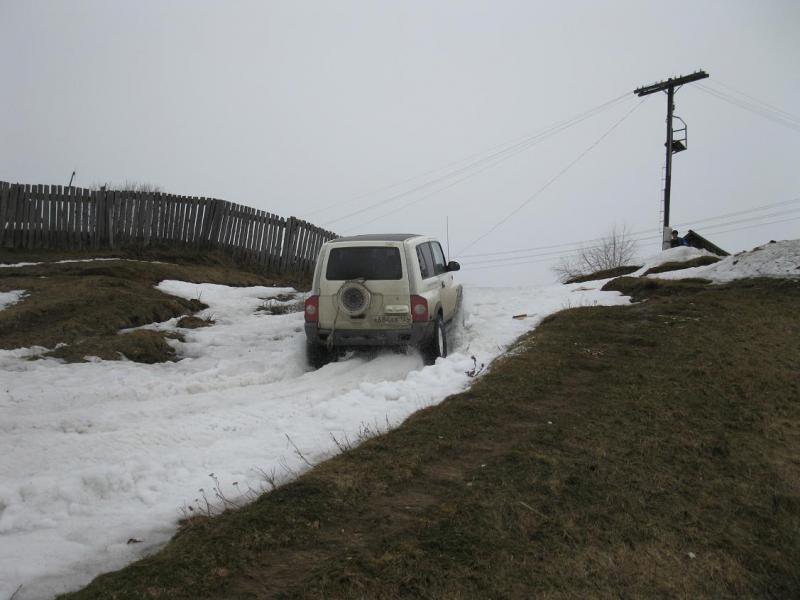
{"x":447,"y":226}
{"x":71,"y":178}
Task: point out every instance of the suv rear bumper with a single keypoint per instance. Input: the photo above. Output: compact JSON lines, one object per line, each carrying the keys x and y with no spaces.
{"x":342,"y":338}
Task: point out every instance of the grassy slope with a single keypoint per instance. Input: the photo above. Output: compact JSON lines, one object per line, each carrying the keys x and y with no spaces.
{"x":605,"y":274}
{"x":85,"y":304}
{"x":700,"y":261}
{"x":588,"y":463}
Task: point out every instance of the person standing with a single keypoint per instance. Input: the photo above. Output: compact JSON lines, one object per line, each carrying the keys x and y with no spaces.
{"x":677,"y":240}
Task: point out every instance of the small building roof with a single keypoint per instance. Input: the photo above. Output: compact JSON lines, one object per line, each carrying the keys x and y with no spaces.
{"x":698,"y":241}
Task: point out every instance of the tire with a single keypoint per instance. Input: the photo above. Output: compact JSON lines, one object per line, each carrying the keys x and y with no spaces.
{"x":318,"y":356}
{"x":353,"y":298}
{"x":437,"y":346}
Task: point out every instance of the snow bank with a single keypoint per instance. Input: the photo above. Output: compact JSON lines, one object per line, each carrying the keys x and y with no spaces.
{"x":9,"y":298}
{"x":679,"y":254}
{"x":75,"y":260}
{"x":94,"y":454}
{"x":778,"y":259}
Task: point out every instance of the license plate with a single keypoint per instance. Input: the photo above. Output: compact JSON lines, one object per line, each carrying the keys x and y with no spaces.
{"x":393,"y":319}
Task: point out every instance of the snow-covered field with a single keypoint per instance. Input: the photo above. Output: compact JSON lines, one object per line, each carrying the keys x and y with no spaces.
{"x":95,"y":454}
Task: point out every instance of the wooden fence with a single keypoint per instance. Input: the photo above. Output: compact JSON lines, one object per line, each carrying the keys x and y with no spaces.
{"x":42,"y":216}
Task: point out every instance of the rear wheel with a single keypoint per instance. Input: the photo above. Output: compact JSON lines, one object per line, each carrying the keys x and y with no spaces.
{"x":318,"y":355}
{"x":437,"y":346}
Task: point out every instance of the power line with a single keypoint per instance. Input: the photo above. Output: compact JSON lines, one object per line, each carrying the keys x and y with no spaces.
{"x":550,"y":259}
{"x":490,"y":150}
{"x":559,"y":253}
{"x":761,"y":102}
{"x":771,"y":115}
{"x":578,"y":251}
{"x":436,"y":191}
{"x":740,"y":212}
{"x":555,"y":177}
{"x":753,"y":218}
{"x":754,"y":105}
{"x":756,"y":225}
{"x":634,"y":233}
{"x":578,"y":243}
{"x":498,"y":157}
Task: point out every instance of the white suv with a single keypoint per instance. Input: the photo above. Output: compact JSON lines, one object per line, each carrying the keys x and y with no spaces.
{"x":381,"y":290}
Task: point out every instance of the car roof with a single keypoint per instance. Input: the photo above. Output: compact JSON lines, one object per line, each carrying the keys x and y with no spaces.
{"x":378,"y":237}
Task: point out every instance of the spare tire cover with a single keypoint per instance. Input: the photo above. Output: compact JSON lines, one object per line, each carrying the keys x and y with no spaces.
{"x":354,"y":298}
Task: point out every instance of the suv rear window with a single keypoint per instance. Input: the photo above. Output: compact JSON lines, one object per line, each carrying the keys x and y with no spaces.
{"x":367,"y":262}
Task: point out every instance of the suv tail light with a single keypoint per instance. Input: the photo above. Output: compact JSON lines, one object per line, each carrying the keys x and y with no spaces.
{"x":419,"y":309}
{"x":311,"y":309}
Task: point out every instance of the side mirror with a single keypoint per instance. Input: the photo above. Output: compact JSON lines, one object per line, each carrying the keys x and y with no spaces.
{"x":453,"y":266}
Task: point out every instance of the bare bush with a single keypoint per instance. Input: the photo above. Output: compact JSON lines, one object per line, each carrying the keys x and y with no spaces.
{"x":129,"y":186}
{"x":617,"y":249}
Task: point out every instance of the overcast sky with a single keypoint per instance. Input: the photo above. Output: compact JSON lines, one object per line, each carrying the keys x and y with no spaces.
{"x":295,"y":107}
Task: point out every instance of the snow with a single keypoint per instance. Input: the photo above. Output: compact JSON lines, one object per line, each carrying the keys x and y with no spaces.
{"x":678,"y":254}
{"x":61,"y":262}
{"x":776,"y":259}
{"x":96,"y":453}
{"x":9,"y":298}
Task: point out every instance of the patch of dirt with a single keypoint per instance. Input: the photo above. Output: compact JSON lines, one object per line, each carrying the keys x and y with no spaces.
{"x":142,"y":346}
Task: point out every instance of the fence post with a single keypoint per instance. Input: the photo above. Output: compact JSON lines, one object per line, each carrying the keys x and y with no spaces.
{"x":5,"y":194}
{"x":288,"y":232}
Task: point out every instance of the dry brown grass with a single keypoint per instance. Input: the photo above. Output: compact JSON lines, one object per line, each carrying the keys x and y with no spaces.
{"x":605,"y":274}
{"x":85,"y":304}
{"x":192,"y":322}
{"x":700,"y":261}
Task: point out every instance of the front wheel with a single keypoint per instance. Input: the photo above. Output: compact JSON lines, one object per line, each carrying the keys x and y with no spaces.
{"x":437,"y":346}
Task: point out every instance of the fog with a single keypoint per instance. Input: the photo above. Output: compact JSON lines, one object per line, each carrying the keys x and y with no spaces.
{"x":328,"y":111}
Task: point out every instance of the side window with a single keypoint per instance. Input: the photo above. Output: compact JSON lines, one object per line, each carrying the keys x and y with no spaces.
{"x":424,"y":269}
{"x":425,"y":261}
{"x":439,"y":264}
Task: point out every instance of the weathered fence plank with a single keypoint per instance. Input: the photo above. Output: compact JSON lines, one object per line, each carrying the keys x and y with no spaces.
{"x":44,"y":216}
{"x":5,"y":203}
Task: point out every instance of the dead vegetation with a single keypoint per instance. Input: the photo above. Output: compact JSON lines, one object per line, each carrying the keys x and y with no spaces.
{"x":608,"y":254}
{"x":282,"y":304}
{"x":85,"y":304}
{"x":193,"y":322}
{"x":700,"y":261}
{"x":139,"y":346}
{"x":640,"y":288}
{"x":634,"y":451}
{"x":604,"y":274}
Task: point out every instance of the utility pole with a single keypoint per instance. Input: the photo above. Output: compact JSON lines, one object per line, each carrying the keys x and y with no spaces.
{"x":672,"y":144}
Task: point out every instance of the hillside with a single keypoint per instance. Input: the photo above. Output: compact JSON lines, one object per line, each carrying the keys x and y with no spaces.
{"x":555,"y":456}
{"x":131,"y":442}
{"x":559,"y":474}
